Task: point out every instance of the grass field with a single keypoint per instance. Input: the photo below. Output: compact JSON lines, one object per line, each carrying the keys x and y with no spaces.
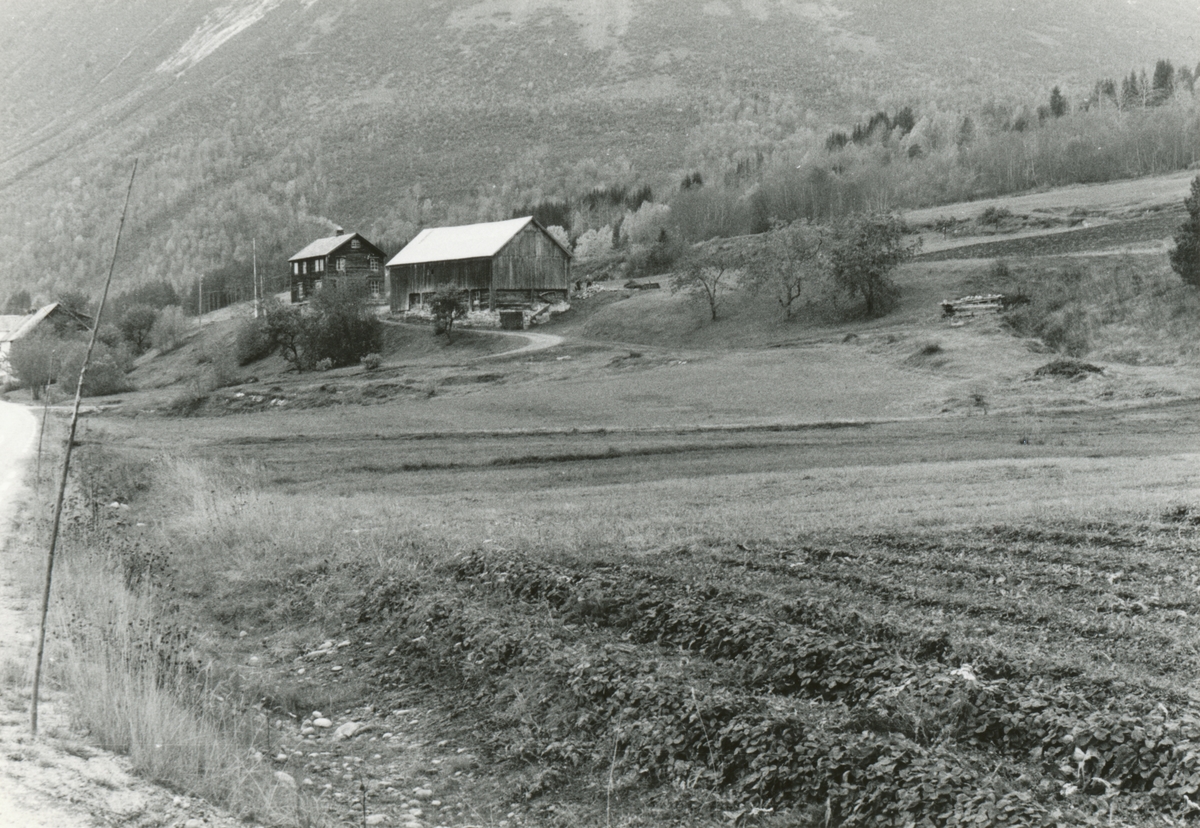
{"x":825,"y":571}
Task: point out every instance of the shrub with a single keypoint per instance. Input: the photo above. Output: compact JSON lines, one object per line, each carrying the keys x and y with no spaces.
{"x":994,"y":215}
{"x":106,"y":371}
{"x":169,"y":329}
{"x":371,"y":361}
{"x":341,"y":327}
{"x":449,"y":302}
{"x":252,"y":342}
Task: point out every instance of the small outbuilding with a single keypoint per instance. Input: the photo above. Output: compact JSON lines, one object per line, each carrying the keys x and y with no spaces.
{"x":341,"y":259}
{"x":501,"y":264}
{"x":54,"y":317}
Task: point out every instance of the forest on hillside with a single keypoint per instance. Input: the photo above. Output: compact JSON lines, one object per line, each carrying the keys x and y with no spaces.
{"x":209,"y":200}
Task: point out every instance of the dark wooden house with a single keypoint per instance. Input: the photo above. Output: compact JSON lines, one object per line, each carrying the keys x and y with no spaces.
{"x":501,"y":264}
{"x":339,"y":260}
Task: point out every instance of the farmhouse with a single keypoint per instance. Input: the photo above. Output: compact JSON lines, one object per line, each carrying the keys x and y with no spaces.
{"x":54,"y":317}
{"x":513,"y":263}
{"x":341,"y":259}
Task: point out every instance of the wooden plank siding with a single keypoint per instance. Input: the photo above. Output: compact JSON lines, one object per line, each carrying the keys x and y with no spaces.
{"x":362,"y":266}
{"x":530,"y":267}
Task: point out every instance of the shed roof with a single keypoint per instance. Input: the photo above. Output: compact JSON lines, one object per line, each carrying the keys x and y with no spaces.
{"x":13,"y":328}
{"x":467,"y":241}
{"x":325,"y":246}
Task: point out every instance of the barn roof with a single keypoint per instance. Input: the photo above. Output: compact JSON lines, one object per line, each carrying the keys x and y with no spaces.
{"x":325,"y":246}
{"x":468,"y":241}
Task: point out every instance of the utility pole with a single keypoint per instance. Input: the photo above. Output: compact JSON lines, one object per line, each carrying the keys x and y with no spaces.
{"x":200,"y":301}
{"x":257,"y":292}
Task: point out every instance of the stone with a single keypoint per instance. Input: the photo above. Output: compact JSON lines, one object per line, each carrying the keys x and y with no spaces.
{"x":285,"y":778}
{"x":194,"y":823}
{"x":376,"y":819}
{"x":322,"y":722}
{"x":422,"y":793}
{"x":347,"y":730}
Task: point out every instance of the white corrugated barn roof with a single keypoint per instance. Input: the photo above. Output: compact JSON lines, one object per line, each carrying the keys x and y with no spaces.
{"x":468,"y":241}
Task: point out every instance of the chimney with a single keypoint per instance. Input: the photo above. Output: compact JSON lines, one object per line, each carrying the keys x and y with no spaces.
{"x":338,"y":232}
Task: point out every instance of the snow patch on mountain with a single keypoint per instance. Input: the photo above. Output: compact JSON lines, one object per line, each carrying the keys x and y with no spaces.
{"x":217,"y":29}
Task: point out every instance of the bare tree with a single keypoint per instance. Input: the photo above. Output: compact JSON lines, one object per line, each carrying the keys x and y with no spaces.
{"x":707,"y":276}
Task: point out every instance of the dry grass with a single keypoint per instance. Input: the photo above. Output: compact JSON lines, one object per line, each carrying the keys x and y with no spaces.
{"x":138,"y":689}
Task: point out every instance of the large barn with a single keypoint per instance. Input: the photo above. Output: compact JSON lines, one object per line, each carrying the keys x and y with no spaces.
{"x":513,"y":263}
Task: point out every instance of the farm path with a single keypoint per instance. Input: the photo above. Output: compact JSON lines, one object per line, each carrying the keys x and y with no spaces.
{"x":533,"y":342}
{"x":57,"y":780}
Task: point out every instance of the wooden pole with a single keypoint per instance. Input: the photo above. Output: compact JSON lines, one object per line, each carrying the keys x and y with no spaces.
{"x":66,"y":466}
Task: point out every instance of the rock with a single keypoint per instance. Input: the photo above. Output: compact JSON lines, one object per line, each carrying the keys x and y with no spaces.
{"x":194,"y":823}
{"x":422,"y":793}
{"x":126,"y":804}
{"x":285,"y":778}
{"x":347,"y":730}
{"x":463,"y":762}
{"x":322,"y":722}
{"x":376,"y":819}
{"x":307,"y":731}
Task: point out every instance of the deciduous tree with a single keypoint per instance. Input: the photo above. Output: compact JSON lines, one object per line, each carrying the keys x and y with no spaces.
{"x":863,"y":252}
{"x":707,"y":277}
{"x":135,"y":326}
{"x":795,"y":258}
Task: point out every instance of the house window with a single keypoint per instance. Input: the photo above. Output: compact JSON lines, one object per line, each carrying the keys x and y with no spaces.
{"x":354,"y":244}
{"x":299,"y":289}
{"x":319,"y":264}
{"x":341,"y":264}
{"x":296,"y":268}
{"x":304,"y":267}
{"x":373,"y":263}
{"x":317,"y":285}
{"x":375,"y":287}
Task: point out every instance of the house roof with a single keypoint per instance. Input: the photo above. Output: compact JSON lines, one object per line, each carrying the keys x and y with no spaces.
{"x":325,"y":246}
{"x":13,"y":328}
{"x":467,"y":241}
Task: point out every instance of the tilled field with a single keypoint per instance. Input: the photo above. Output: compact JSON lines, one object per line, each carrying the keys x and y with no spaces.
{"x":1001,"y":674}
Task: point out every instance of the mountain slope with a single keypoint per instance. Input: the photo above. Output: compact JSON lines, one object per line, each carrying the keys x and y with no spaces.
{"x":274,"y":118}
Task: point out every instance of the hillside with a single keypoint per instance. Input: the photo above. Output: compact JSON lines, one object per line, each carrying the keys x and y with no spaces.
{"x":272,"y":119}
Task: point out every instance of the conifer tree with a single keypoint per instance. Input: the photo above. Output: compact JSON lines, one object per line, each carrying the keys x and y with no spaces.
{"x":1058,"y":103}
{"x":1185,"y":258}
{"x":1163,"y":85}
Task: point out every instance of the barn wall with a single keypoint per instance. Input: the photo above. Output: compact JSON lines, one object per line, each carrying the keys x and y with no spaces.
{"x":426,"y":277}
{"x":532,"y":261}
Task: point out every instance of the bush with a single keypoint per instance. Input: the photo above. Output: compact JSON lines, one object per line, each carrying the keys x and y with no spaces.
{"x":169,"y":329}
{"x":341,"y":328}
{"x":252,"y":342}
{"x":106,"y":371}
{"x":371,"y":361}
{"x":449,"y":302}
